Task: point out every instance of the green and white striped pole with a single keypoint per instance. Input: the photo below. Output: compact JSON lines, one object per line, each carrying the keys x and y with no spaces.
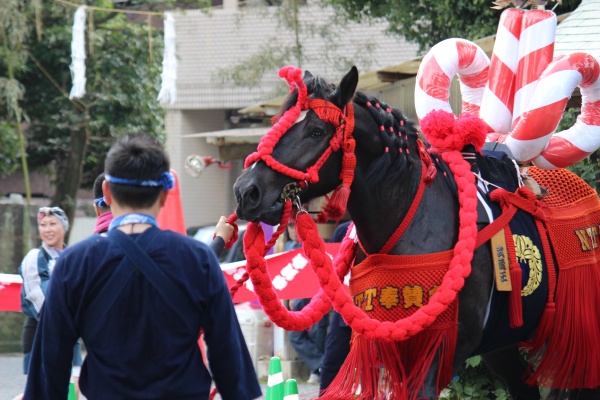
{"x":291,"y":390}
{"x":275,"y":385}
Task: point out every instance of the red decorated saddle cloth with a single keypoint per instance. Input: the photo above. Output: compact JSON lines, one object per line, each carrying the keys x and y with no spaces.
{"x":569,"y":336}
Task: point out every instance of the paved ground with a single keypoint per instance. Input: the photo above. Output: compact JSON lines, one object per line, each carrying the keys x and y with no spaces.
{"x":12,"y":380}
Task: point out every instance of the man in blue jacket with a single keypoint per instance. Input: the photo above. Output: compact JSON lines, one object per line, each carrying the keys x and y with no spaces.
{"x":139,"y":297}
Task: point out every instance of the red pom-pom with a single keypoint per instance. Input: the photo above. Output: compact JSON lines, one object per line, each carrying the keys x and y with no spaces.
{"x":436,"y":126}
{"x":445,"y":132}
{"x":471,"y":129}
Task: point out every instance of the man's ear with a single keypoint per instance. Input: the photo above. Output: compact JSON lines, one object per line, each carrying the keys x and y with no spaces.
{"x":106,"y":192}
{"x":163,"y":198}
{"x":96,"y":209}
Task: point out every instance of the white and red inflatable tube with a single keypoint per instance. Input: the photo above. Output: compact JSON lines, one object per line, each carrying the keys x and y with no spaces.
{"x":497,"y":102}
{"x":533,"y":138}
{"x":442,"y":62}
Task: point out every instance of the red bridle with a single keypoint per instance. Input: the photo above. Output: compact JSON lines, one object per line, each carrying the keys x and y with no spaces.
{"x":342,"y":120}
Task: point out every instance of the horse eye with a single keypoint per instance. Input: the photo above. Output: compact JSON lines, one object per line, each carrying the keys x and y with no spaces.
{"x":316,"y":133}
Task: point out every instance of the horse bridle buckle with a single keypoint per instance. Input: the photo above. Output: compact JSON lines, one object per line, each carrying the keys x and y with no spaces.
{"x":299,"y":206}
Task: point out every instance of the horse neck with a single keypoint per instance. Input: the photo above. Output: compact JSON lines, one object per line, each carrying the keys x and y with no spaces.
{"x":376,"y":217}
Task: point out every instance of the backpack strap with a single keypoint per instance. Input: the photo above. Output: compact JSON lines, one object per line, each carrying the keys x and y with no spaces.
{"x":137,"y":259}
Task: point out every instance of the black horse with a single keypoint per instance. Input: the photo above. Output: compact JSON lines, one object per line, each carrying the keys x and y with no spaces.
{"x":386,"y":179}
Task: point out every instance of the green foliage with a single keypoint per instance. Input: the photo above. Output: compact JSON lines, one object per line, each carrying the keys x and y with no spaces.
{"x":475,"y":382}
{"x":588,"y":168}
{"x":428,"y":22}
{"x":121,"y":89}
{"x":9,"y":144}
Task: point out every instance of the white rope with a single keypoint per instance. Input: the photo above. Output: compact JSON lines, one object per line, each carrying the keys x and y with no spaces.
{"x":168,"y":90}
{"x":77,"y":66}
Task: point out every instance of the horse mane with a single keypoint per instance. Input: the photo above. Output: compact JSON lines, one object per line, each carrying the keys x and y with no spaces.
{"x":396,"y":134}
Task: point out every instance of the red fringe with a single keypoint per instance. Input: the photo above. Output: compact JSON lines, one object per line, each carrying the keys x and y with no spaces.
{"x":576,"y":363}
{"x":394,"y":370}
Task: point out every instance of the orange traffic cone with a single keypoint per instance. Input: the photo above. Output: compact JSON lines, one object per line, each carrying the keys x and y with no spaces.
{"x":171,"y":215}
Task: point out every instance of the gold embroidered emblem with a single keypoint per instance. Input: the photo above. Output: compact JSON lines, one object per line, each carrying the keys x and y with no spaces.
{"x":527,"y":252}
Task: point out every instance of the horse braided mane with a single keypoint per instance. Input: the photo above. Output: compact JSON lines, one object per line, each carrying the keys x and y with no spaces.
{"x":398,"y":135}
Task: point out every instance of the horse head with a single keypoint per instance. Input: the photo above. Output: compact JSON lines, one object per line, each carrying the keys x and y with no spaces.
{"x":310,"y":155}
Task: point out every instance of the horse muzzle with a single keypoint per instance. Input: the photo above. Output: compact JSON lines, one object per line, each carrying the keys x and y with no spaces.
{"x":253,"y":205}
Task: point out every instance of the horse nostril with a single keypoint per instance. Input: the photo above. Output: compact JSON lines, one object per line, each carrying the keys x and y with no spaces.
{"x":250,"y":197}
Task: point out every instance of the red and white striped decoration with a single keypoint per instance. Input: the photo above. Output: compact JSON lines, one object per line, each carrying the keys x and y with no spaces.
{"x":536,"y":50}
{"x":442,"y":62}
{"x":526,"y":82}
{"x":497,"y":102}
{"x":533,"y":138}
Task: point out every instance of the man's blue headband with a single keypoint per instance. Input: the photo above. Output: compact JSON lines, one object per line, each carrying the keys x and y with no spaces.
{"x":166,"y":181}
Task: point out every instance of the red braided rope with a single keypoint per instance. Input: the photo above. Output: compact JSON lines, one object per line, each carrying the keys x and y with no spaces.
{"x":287,"y":212}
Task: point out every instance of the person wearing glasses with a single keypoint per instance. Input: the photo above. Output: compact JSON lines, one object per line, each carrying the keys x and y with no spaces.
{"x":139,"y":297}
{"x":36,"y":270}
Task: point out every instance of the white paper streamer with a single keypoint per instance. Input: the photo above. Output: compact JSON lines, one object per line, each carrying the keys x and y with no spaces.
{"x":77,"y":66}
{"x":168,"y":90}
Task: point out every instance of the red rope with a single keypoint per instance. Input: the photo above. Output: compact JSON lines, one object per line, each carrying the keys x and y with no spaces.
{"x":287,"y":212}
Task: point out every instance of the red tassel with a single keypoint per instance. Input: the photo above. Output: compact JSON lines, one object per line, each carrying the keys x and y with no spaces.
{"x":515,"y":304}
{"x":336,"y":206}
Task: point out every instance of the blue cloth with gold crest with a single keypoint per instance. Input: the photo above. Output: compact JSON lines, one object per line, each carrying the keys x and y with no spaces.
{"x":496,"y":167}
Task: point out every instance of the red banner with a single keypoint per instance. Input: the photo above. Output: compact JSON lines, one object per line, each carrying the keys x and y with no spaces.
{"x":10,"y":292}
{"x":291,"y":274}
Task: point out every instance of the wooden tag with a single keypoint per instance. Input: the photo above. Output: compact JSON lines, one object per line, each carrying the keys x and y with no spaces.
{"x":500,"y":257}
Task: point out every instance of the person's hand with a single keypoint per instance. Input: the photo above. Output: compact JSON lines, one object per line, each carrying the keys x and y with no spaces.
{"x":224,"y":230}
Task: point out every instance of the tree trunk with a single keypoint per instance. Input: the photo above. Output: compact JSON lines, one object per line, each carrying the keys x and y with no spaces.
{"x":69,"y":173}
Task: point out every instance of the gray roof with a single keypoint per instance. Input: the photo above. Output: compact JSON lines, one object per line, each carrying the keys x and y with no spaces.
{"x":209,"y":42}
{"x":580,"y":31}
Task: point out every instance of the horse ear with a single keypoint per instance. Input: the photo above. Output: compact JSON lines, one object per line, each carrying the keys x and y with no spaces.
{"x":345,"y":91}
{"x":307,"y":76}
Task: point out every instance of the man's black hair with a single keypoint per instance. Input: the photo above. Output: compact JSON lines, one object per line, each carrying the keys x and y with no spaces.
{"x":139,"y":158}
